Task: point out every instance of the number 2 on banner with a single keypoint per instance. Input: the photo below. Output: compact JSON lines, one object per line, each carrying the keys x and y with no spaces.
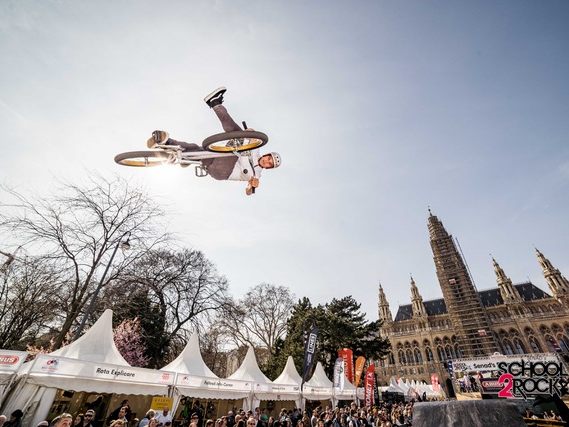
{"x":508,"y":381}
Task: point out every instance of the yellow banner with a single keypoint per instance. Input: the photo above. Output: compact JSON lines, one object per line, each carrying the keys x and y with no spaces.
{"x":360,"y":362}
{"x":161,"y":402}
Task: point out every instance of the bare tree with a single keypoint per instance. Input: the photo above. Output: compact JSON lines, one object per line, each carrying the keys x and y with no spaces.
{"x":28,"y":293}
{"x":259,"y":318}
{"x":178,"y":290}
{"x":78,"y":229}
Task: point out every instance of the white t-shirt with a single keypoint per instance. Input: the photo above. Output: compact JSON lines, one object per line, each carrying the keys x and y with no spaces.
{"x":161,"y":418}
{"x":243,"y":171}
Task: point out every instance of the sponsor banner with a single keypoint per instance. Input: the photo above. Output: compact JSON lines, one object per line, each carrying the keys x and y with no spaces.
{"x":360,"y":362}
{"x":309,"y":350}
{"x":435,"y":382}
{"x":161,"y":402}
{"x":285,"y":389}
{"x":369,"y":386}
{"x":339,"y":376}
{"x":376,"y":390}
{"x":212,"y":383}
{"x":46,"y":364}
{"x":348,"y":356}
{"x":487,"y":364}
{"x":10,"y":361}
{"x":491,"y":385}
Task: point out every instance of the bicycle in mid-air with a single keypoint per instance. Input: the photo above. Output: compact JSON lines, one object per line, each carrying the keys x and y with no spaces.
{"x":235,"y":143}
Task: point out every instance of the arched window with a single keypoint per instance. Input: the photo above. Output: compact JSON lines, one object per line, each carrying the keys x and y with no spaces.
{"x":507,"y":345}
{"x":563,"y":342}
{"x":390,"y":358}
{"x":409,"y":356}
{"x":519,"y":346}
{"x":402,"y":360}
{"x":429,"y":353}
{"x":534,"y":343}
{"x":440,"y":354}
{"x":457,"y":351}
{"x":449,"y":352}
{"x":418,"y":357}
{"x":551,"y":343}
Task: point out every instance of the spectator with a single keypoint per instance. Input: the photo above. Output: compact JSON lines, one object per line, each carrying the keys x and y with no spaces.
{"x":43,"y":424}
{"x":3,"y":419}
{"x":115,"y":414}
{"x":89,"y":418}
{"x":146,"y":420}
{"x":63,"y":420}
{"x":164,"y":417}
{"x":79,"y":419}
{"x":15,"y":419}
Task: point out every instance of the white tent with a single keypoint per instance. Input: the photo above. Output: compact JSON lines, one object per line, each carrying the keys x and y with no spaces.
{"x":319,"y":387}
{"x":195,"y":379}
{"x":91,"y":364}
{"x":347,"y":393}
{"x":287,"y":385}
{"x":394,"y":387}
{"x":250,"y":373}
{"x":10,"y":363}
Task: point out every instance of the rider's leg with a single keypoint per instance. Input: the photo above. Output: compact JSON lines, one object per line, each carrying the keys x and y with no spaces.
{"x":226,"y":120}
{"x":186,"y":146}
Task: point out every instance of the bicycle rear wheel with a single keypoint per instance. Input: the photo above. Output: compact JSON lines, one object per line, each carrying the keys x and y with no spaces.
{"x":239,"y":140}
{"x":142,"y":159}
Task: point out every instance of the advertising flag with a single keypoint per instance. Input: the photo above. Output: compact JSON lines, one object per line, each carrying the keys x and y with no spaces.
{"x":339,"y":376}
{"x":348,"y":357}
{"x":309,"y":350}
{"x":369,"y":385}
{"x":360,"y":362}
{"x":376,"y":391}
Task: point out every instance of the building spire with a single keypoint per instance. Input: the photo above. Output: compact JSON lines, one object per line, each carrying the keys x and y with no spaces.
{"x":558,"y":284}
{"x":383,"y":307}
{"x":468,"y":317}
{"x":507,"y":290}
{"x":417,"y":300}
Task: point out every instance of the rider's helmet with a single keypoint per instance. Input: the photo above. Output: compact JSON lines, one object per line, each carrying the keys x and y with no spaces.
{"x":276,"y":159}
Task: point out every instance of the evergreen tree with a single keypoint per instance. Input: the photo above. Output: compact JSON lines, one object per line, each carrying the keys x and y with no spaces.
{"x":341,"y":324}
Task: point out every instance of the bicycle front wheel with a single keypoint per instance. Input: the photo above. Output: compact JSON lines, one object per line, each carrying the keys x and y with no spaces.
{"x":142,"y":159}
{"x":239,"y":140}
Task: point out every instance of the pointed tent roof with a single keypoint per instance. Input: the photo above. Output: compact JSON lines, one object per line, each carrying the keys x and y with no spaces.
{"x":190,"y":360}
{"x":289,"y":375}
{"x":249,"y":370}
{"x":319,"y":378}
{"x":95,"y":345}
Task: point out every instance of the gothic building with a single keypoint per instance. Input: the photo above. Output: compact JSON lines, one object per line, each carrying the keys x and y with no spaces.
{"x":511,"y":319}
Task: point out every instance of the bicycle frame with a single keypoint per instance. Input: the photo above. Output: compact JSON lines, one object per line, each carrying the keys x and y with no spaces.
{"x":188,"y":158}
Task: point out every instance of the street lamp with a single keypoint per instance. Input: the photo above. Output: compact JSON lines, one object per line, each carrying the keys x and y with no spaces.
{"x":124,"y":244}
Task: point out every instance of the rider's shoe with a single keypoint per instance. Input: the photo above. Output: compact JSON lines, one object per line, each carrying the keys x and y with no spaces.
{"x":216,"y":97}
{"x":158,"y":137}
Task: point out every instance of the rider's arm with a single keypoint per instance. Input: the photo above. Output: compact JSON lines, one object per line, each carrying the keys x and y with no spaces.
{"x":253,"y":183}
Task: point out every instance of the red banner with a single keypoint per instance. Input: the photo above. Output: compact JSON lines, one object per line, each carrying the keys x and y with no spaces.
{"x":360,"y":362}
{"x":369,"y":385}
{"x":348,"y":357}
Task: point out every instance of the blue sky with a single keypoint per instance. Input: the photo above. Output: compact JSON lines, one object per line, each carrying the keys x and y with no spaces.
{"x":379,"y":109}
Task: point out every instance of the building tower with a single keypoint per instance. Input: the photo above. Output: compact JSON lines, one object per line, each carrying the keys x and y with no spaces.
{"x":468,"y":317}
{"x":417,"y":301}
{"x":384,"y":311}
{"x":509,"y":294}
{"x":558,"y":284}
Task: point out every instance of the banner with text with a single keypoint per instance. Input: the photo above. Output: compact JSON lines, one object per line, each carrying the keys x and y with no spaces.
{"x":360,"y":362}
{"x":339,"y":376}
{"x":46,"y":364}
{"x":490,"y":363}
{"x":369,"y":385}
{"x":348,"y":356}
{"x":10,"y":360}
{"x":309,"y":350}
